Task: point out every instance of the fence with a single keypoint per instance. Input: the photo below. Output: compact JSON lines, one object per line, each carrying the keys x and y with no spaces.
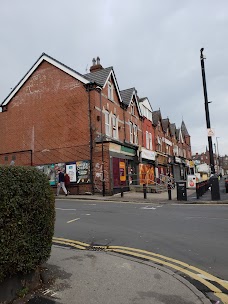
{"x":201,"y":188}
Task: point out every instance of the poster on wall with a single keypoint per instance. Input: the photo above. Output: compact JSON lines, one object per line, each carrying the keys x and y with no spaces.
{"x":122,"y":167}
{"x":49,"y":170}
{"x":83,"y":171}
{"x":146,"y":174}
{"x":71,"y":170}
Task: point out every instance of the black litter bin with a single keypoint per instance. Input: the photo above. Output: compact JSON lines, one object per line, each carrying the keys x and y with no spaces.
{"x":181,"y":191}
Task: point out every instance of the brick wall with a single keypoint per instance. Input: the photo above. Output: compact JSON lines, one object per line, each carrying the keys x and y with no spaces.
{"x":48,"y":115}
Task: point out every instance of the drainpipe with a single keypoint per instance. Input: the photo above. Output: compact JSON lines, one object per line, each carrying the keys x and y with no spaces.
{"x":89,"y":87}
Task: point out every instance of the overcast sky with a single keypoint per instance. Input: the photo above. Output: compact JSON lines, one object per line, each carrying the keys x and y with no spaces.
{"x":153,"y":46}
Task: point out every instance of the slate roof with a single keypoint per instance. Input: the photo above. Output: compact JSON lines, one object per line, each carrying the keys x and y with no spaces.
{"x":165,"y":123}
{"x":100,"y":76}
{"x":173,"y":129}
{"x":184,"y":129}
{"x":126,"y":95}
{"x":178,"y":133}
{"x":156,"y":116}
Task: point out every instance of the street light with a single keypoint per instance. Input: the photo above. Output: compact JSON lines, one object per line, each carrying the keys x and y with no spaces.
{"x":207,"y":112}
{"x":215,"y":192}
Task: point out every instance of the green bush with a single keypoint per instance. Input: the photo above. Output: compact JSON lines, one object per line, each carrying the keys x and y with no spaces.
{"x":27,"y":216}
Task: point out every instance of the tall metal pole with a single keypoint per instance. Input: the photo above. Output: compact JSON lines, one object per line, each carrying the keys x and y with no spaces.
{"x":207,"y":112}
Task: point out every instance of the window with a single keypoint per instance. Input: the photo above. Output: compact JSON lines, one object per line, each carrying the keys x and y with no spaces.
{"x":6,"y":158}
{"x":107,"y":123}
{"x":114,"y":126}
{"x":135,"y":134}
{"x":147,"y":140}
{"x":150,"y":141}
{"x":110,"y":91}
{"x":131,"y":132}
{"x":132,"y":108}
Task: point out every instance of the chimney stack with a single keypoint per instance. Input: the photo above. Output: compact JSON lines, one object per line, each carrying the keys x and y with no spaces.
{"x":96,"y":66}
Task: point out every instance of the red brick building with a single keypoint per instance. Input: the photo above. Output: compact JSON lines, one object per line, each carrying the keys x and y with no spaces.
{"x":104,"y":138}
{"x":56,"y":117}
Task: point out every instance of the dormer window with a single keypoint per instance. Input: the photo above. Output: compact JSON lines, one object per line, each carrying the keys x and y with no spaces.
{"x":110,"y":91}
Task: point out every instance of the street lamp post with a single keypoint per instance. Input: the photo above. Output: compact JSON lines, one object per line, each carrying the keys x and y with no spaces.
{"x":215,"y":192}
{"x":207,"y":113}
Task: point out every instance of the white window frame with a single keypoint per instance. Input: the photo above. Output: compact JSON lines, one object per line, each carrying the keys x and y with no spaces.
{"x":114,"y":127}
{"x":150,"y":142}
{"x":132,"y":108}
{"x":107,"y":123}
{"x":147,"y":139}
{"x":131,"y":131}
{"x":110,"y":91}
{"x":135,"y":130}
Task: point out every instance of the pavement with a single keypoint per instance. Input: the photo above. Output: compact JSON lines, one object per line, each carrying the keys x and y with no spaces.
{"x":98,"y":277}
{"x":156,"y":198}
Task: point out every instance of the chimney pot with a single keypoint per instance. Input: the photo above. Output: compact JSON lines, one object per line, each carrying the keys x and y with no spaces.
{"x":94,"y":61}
{"x":98,"y":60}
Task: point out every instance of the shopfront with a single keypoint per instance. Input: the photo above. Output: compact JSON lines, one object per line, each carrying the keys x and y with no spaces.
{"x":147,"y":167}
{"x":124,"y":165}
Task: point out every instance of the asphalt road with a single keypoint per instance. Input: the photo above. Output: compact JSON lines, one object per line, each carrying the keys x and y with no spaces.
{"x":195,"y":234}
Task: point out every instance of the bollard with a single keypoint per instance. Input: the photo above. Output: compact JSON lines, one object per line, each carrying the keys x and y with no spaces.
{"x":169,"y":192}
{"x":144,"y":190}
{"x":121,"y":191}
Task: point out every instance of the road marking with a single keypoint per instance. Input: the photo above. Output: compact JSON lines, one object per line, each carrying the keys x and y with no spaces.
{"x":73,"y":220}
{"x":65,"y":209}
{"x":191,"y":271}
{"x":207,"y":218}
{"x":70,"y":241}
{"x":148,"y":208}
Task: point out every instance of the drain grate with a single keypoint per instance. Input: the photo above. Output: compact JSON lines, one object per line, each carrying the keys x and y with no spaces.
{"x":96,"y":248}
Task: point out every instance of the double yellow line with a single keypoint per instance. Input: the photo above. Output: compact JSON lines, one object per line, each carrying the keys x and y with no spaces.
{"x":193,"y":272}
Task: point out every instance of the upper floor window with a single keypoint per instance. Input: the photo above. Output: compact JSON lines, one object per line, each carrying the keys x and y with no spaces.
{"x":150,"y":141}
{"x":114,"y":126}
{"x":110,"y":91}
{"x":147,"y":139}
{"x":131,"y":132}
{"x":107,"y":123}
{"x":135,"y":134}
{"x":132,"y":108}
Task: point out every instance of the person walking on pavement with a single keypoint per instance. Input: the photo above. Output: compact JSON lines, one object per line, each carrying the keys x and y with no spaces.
{"x":67,"y":182}
{"x":61,"y":183}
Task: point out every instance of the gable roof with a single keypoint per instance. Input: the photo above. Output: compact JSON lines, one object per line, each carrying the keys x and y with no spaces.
{"x":173,"y":129}
{"x":145,"y":101}
{"x":102,"y":76}
{"x":127,"y":96}
{"x":56,"y":63}
{"x":165,"y":123}
{"x":156,"y":115}
{"x":184,"y":129}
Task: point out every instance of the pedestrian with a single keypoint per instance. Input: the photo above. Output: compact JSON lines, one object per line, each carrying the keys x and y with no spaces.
{"x":67,"y":182}
{"x":61,"y":183}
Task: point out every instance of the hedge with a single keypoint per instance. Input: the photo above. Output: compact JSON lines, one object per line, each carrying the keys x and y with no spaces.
{"x":27,"y":216}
